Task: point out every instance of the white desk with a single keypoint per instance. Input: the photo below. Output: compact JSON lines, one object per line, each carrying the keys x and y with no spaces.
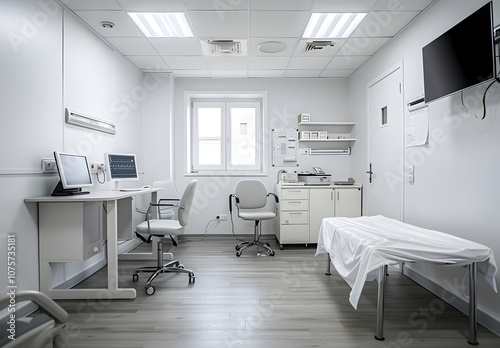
{"x":57,"y":208}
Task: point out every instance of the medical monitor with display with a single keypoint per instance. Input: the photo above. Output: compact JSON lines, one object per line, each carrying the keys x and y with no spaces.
{"x":121,"y":167}
{"x":74,"y":174}
{"x":462,"y":57}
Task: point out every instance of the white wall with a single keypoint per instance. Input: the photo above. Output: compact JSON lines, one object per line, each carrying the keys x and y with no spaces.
{"x":324,"y":99}
{"x":455,"y":175}
{"x":51,"y":61}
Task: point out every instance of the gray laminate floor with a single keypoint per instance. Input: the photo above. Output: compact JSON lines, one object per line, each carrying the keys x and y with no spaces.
{"x":285,"y":301}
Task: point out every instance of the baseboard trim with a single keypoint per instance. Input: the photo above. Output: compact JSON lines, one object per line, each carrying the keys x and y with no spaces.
{"x":484,"y":319}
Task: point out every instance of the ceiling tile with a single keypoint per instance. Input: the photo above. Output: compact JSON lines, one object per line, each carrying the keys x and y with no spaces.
{"x":336,"y":73}
{"x":347,"y":62}
{"x":92,"y":5}
{"x":186,"y":62}
{"x":266,"y":73}
{"x":261,"y":63}
{"x":229,"y":73}
{"x":177,"y":46}
{"x":152,"y":5}
{"x":278,"y":23}
{"x":150,"y":63}
{"x":362,"y":46}
{"x":215,"y":25}
{"x":279,"y":5}
{"x":217,"y":5}
{"x":344,"y":5}
{"x":124,"y":26}
{"x":226,"y":63}
{"x":402,"y":5}
{"x":302,"y":73}
{"x":309,"y":62}
{"x":132,"y":46}
{"x":383,"y":23}
{"x":191,"y":73}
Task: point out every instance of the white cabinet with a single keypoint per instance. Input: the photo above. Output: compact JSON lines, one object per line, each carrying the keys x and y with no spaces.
{"x":302,"y":209}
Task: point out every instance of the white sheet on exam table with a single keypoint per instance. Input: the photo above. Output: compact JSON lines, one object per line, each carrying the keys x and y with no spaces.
{"x":359,"y":246}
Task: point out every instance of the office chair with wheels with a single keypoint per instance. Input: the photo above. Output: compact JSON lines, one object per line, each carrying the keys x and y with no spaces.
{"x":165,"y":229}
{"x":250,"y":198}
{"x":37,"y":330}
{"x":168,"y":195}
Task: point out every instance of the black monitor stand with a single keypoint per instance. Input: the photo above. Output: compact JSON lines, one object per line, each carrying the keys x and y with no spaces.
{"x":60,"y":191}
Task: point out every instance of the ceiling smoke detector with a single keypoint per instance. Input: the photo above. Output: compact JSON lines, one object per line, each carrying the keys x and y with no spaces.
{"x":107,"y":24}
{"x":224,"y":47}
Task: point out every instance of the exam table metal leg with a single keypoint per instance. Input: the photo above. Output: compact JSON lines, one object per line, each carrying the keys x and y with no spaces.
{"x":472,"y":305}
{"x":380,"y":303}
{"x":328,"y":264}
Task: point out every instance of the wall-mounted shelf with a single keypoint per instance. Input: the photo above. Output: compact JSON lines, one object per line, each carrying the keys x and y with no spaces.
{"x":334,"y":135}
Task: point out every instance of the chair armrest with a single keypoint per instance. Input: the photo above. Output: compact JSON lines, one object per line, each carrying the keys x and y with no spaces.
{"x":46,"y":304}
{"x":274,"y":195}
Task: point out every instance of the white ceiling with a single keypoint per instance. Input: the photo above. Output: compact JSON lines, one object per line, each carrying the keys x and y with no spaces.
{"x":255,"y":21}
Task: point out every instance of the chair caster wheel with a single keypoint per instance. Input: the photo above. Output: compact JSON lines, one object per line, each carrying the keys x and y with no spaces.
{"x":192,"y":278}
{"x":271,"y":253}
{"x":135,"y":277}
{"x":150,"y":290}
{"x":282,"y":247}
{"x":238,"y":253}
{"x":181,"y":266}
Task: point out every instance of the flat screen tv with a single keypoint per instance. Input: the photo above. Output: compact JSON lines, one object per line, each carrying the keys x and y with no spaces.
{"x":462,"y":57}
{"x":121,"y":166}
{"x":74,"y":174}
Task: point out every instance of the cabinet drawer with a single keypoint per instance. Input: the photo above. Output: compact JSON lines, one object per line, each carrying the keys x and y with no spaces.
{"x":295,"y":193}
{"x":294,"y":217}
{"x":294,"y":204}
{"x":294,"y":234}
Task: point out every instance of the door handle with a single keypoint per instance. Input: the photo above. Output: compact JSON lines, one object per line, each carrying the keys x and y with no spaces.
{"x":370,"y":172}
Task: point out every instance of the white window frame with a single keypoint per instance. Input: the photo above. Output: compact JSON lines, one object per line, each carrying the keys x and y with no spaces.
{"x":230,"y":99}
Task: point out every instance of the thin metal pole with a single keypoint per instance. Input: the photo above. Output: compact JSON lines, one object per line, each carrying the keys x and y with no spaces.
{"x":472,"y":305}
{"x":380,"y":303}
{"x":328,"y":265}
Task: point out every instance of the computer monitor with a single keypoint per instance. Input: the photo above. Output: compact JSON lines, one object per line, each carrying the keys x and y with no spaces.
{"x":74,"y":173}
{"x":121,"y":167}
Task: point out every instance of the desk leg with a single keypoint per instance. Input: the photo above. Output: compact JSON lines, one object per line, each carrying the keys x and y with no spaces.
{"x":472,"y":305}
{"x":112,"y":251}
{"x":380,"y":303}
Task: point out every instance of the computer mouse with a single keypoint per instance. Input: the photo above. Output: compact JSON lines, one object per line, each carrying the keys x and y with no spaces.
{"x":146,"y":187}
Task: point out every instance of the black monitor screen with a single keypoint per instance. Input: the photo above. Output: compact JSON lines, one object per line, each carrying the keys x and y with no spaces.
{"x":122,"y":166}
{"x":460,"y":58}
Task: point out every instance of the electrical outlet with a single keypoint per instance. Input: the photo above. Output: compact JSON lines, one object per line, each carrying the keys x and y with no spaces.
{"x":221,"y":217}
{"x":49,"y":165}
{"x":96,"y":167}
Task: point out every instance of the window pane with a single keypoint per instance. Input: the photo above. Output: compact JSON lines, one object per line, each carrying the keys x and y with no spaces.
{"x":209,"y":136}
{"x":243,"y":136}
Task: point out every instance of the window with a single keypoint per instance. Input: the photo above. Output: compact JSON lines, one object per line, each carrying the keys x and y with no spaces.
{"x":226,"y":136}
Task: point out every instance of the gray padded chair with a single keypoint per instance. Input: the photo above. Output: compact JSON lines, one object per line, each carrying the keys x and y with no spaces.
{"x":165,"y":230}
{"x":250,"y":198}
{"x":37,"y":330}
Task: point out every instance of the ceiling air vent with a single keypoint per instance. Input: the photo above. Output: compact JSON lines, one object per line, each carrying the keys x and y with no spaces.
{"x":224,"y":47}
{"x":316,"y":46}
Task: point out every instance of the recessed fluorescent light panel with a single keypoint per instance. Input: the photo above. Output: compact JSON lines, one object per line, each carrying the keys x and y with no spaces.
{"x":162,"y":24}
{"x":332,"y":25}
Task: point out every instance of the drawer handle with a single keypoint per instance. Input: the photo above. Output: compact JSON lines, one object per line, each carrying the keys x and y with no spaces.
{"x":295,"y":213}
{"x":294,"y":202}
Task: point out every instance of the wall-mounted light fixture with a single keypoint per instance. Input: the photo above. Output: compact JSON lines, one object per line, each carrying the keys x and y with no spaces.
{"x":89,"y":122}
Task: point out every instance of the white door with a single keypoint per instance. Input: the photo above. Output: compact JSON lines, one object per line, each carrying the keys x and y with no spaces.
{"x":385,"y":145}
